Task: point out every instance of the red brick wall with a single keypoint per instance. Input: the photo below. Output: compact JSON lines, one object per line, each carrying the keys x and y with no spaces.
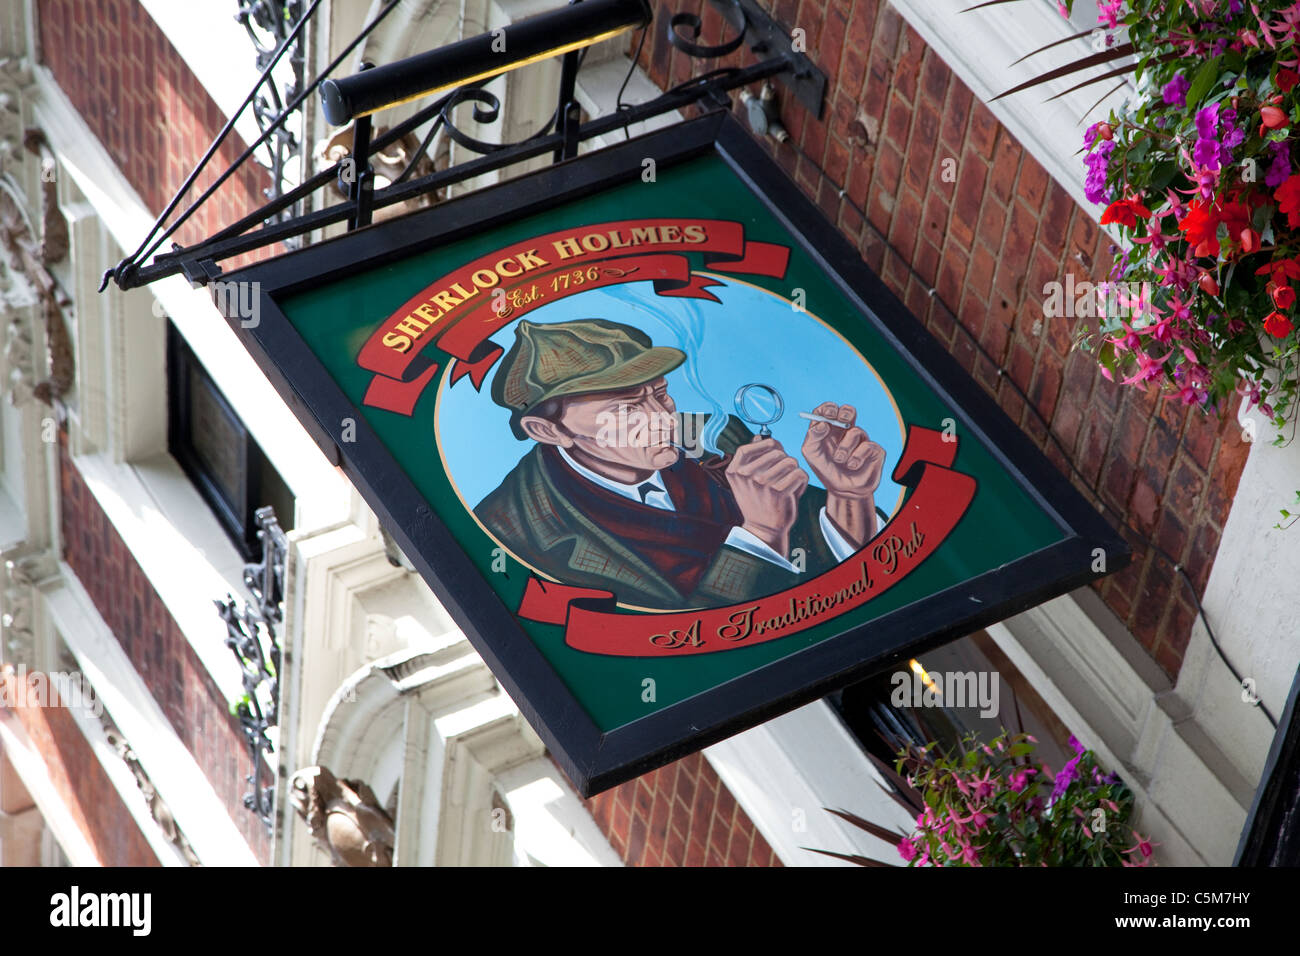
{"x":145,"y":106}
{"x":156,"y":120}
{"x":80,"y":781}
{"x":988,"y":243}
{"x":165,"y":660}
{"x":679,"y":815}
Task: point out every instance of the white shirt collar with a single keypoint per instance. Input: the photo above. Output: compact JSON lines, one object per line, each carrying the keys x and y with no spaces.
{"x":627,"y":491}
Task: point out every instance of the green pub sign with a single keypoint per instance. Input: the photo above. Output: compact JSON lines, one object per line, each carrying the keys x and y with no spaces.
{"x":662,"y":444}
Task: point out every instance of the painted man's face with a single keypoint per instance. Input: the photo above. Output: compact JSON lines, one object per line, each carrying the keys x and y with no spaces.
{"x":632,"y":428}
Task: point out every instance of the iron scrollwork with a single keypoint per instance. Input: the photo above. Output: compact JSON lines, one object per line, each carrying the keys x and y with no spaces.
{"x":259,"y":662}
{"x":731,"y":11}
{"x":487,"y":110}
{"x":268,"y":23}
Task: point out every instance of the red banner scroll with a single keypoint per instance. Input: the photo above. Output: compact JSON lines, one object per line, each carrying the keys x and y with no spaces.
{"x":459,"y":311}
{"x":938,"y":501}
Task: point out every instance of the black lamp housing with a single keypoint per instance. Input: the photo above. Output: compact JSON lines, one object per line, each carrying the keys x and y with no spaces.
{"x":487,"y":55}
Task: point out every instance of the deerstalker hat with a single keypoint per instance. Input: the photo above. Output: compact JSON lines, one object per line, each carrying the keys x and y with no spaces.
{"x":575,"y":358}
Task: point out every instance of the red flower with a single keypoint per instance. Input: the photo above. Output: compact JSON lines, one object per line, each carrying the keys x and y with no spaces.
{"x":1287,"y":79}
{"x":1237,"y":217}
{"x":1126,"y":212}
{"x":1278,"y":325}
{"x":1283,"y":296}
{"x":1207,"y":284}
{"x":1288,"y":200}
{"x":1272,"y":117}
{"x":1200,"y":226}
{"x":1281,"y":271}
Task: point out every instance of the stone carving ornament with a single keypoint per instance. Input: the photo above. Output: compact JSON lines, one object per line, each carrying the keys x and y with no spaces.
{"x":345,"y":818}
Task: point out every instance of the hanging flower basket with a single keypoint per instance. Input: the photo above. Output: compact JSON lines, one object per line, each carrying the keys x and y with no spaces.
{"x":994,"y":805}
{"x":1198,"y":174}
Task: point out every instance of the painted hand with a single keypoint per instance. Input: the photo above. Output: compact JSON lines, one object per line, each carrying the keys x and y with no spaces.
{"x":767,"y":484}
{"x":849,"y":464}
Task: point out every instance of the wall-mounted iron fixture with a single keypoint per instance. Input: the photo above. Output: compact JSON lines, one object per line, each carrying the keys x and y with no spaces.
{"x":470,"y":63}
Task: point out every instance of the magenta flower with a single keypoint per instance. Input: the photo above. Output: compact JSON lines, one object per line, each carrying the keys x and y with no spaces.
{"x":1233,"y":135}
{"x":1069,"y":773}
{"x":1279,"y":170}
{"x":1143,"y":846}
{"x":1020,"y":779}
{"x":1192,"y":380}
{"x":907,"y":849}
{"x":1109,"y":12}
{"x":983,"y":786}
{"x":1206,"y":151}
{"x":1149,"y":367}
{"x":1098,"y":163}
{"x":1175,"y":91}
{"x":957,"y":821}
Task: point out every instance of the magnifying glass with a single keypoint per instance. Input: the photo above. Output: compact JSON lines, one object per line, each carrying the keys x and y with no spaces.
{"x":760,"y":405}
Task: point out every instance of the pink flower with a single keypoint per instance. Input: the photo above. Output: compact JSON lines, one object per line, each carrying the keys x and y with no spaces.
{"x":907,"y":849}
{"x":961,"y":786}
{"x":957,"y":821}
{"x":1143,"y":847}
{"x":984,"y":787}
{"x":1129,"y":340}
{"x":1149,"y":367}
{"x":969,"y":855}
{"x":1109,"y":12}
{"x":1020,"y":779}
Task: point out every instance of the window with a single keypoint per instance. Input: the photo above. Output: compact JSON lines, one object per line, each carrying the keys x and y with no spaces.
{"x":992,"y":696}
{"x":217,"y":452}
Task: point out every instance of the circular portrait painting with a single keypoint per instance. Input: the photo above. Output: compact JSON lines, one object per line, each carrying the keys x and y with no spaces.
{"x":677,"y":452}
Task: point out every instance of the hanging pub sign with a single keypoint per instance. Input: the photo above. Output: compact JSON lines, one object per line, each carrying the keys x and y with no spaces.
{"x":668,"y":452}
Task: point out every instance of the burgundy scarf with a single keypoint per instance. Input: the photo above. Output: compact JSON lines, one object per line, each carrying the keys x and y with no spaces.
{"x":678,"y":544}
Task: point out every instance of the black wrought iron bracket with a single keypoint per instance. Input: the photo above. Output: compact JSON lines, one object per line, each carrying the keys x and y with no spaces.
{"x":766,"y":37}
{"x":259,"y":665}
{"x":560,"y":137}
{"x":265,"y":580}
{"x":276,"y":18}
